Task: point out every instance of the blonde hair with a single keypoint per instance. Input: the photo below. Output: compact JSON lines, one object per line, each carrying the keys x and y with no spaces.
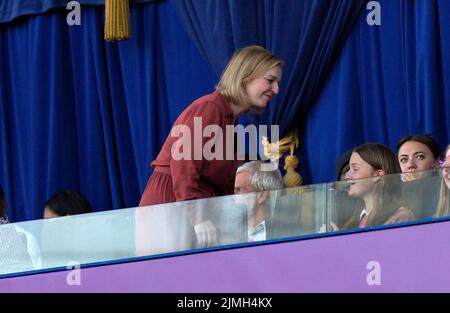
{"x":444,"y":197}
{"x":245,"y":65}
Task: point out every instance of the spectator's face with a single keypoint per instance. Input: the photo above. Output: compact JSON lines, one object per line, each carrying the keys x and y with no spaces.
{"x":414,"y":156}
{"x":262,"y":89}
{"x":48,"y":213}
{"x":242,"y":185}
{"x":360,"y":169}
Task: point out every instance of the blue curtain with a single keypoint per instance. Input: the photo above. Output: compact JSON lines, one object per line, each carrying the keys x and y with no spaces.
{"x":390,"y":80}
{"x":76,"y":112}
{"x":307,"y":35}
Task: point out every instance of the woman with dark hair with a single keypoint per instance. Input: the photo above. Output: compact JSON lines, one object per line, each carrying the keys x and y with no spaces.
{"x":369,"y":163}
{"x":66,"y":202}
{"x":418,"y":155}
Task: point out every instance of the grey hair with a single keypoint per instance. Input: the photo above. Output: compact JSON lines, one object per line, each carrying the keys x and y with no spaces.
{"x":264,"y":176}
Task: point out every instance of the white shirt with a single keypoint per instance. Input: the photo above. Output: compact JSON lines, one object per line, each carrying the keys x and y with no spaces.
{"x":361,"y":215}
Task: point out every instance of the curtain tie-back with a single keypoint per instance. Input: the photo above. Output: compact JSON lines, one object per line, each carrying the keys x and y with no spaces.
{"x":275,"y":151}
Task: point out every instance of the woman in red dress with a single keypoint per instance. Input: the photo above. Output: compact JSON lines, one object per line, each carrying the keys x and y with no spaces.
{"x":187,"y":167}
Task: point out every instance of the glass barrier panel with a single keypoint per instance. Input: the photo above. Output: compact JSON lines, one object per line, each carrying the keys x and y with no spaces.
{"x":158,"y":229}
{"x":230,"y":220}
{"x":84,"y":238}
{"x":213,"y":222}
{"x":420,"y":192}
{"x":383,"y":200}
{"x":297,"y":211}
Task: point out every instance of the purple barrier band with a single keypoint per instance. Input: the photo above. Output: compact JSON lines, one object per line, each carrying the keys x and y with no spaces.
{"x":407,"y":259}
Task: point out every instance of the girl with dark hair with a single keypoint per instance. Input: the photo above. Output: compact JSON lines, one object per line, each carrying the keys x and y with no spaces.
{"x":66,"y":202}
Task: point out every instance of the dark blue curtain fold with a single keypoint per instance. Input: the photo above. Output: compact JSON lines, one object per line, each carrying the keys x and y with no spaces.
{"x":307,"y":35}
{"x":390,"y":80}
{"x":77,"y":112}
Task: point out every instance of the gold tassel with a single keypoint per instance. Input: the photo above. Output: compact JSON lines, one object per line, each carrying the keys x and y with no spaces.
{"x":117,"y":20}
{"x":292,"y":178}
{"x":275,"y":151}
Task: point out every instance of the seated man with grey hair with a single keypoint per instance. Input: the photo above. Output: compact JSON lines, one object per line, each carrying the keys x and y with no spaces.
{"x":256,"y":178}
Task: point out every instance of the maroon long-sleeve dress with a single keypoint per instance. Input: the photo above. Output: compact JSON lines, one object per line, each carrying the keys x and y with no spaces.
{"x":197,"y":177}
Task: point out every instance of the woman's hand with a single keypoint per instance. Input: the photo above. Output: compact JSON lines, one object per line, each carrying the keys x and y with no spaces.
{"x":401,"y":215}
{"x":334,"y":226}
{"x":206,"y":234}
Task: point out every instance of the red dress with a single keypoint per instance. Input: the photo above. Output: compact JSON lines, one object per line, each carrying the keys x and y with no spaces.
{"x":195,"y":177}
